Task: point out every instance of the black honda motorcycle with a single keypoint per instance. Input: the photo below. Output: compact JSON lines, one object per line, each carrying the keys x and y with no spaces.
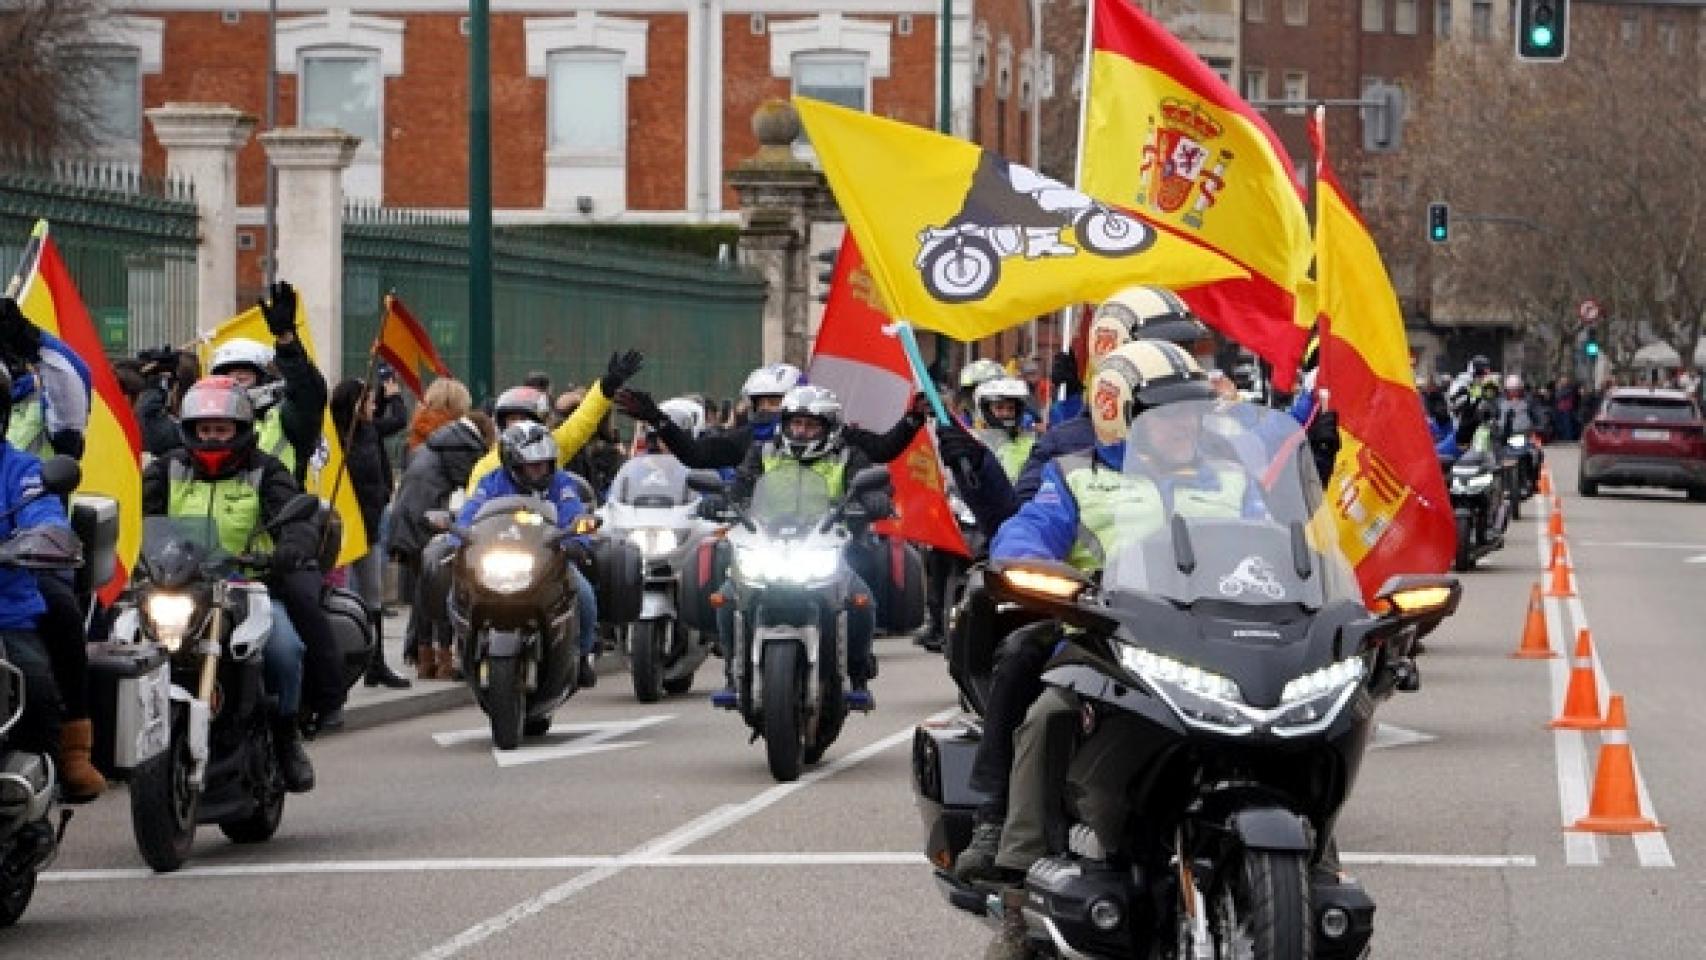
{"x":1221,"y":677}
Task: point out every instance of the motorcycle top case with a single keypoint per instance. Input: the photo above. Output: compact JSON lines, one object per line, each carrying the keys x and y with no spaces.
{"x":352,"y":629}
{"x":94,"y":519}
{"x":705,"y":571}
{"x":118,"y":672}
{"x":900,"y":585}
{"x":618,"y":581}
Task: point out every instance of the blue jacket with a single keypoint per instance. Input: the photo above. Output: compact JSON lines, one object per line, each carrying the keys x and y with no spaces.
{"x":496,"y":484}
{"x":20,"y":476}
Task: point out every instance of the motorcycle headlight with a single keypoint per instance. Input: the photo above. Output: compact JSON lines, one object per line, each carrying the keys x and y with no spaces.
{"x":1202,"y":697}
{"x":774,"y":565}
{"x":1478,"y":484}
{"x":170,"y":615}
{"x":1518,"y":440}
{"x":1313,"y":699}
{"x":654,"y":541}
{"x":506,"y":571}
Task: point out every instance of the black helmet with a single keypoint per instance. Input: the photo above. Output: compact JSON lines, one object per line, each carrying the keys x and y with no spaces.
{"x":217,"y":398}
{"x":523,"y":444}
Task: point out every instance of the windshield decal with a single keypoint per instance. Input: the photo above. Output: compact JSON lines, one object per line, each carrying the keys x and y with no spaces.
{"x":1253,"y":575}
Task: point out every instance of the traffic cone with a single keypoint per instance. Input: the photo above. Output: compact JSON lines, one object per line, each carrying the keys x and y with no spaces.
{"x":1616,"y":803}
{"x":1545,"y":482}
{"x":1555,"y":521}
{"x":1581,"y":699}
{"x":1560,"y":554}
{"x":1534,"y":644}
{"x":1560,"y":585}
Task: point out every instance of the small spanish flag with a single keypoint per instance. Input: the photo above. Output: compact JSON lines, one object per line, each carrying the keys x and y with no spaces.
{"x":404,"y":344}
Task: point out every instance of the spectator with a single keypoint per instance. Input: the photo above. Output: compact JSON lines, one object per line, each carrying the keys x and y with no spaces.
{"x":598,"y":461}
{"x":565,"y":406}
{"x":539,"y":380}
{"x":1568,"y":402}
{"x":447,"y":400}
{"x":364,"y":417}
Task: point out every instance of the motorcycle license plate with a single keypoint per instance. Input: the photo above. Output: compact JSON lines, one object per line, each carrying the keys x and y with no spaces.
{"x":1659,"y":436}
{"x":144,"y":718}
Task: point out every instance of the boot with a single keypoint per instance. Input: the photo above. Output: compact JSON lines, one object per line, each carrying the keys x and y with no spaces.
{"x":378,"y":673}
{"x":426,"y":662}
{"x":588,"y":673}
{"x":976,"y":863}
{"x":293,"y":763}
{"x":1012,"y":941}
{"x":80,"y":782}
{"x":446,"y":665}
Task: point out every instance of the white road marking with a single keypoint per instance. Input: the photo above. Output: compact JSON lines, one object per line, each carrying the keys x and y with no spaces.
{"x":1389,"y":735}
{"x":1699,"y":559}
{"x":584,"y":739}
{"x":688,"y":834}
{"x":1645,"y":544}
{"x":1435,"y":860}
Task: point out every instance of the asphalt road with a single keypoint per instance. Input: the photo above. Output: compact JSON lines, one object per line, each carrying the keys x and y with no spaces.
{"x":645,"y":831}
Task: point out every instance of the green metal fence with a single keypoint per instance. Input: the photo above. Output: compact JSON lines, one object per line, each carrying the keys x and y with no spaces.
{"x":561,"y":307}
{"x":128,"y":241}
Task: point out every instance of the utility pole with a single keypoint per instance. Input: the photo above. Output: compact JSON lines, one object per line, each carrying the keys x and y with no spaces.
{"x":945,"y":118}
{"x":269,"y":245}
{"x":480,"y":369}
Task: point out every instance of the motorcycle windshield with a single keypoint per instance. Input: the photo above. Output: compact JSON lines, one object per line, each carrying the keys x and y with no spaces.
{"x":653,"y":480}
{"x":1220,"y":501}
{"x":789,"y":499}
{"x":517,"y":504}
{"x":174,"y":549}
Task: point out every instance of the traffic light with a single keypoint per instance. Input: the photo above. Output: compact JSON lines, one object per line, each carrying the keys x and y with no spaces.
{"x":1591,"y":347}
{"x":1439,"y":222}
{"x":1542,"y":30}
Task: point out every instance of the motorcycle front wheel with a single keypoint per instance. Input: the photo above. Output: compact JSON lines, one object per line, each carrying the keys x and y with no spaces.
{"x":259,"y":826}
{"x":1465,"y":545}
{"x":646,"y":641}
{"x":1262,"y":909}
{"x":163,"y":804}
{"x":506,"y":703}
{"x":15,"y":894}
{"x":784,"y":745}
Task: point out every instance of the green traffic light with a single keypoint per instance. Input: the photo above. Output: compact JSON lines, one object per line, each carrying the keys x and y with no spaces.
{"x":1540,"y":36}
{"x":1439,"y":233}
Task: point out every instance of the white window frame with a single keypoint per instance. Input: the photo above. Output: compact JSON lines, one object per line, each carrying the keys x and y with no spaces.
{"x":1629,"y":28}
{"x":1398,"y":17}
{"x":1373,"y":16}
{"x":570,"y":154}
{"x":1255,"y":11}
{"x":370,"y":147}
{"x":1667,"y":35}
{"x":600,"y":176}
{"x":139,"y":37}
{"x":1296,"y":13}
{"x":1259,"y":77}
{"x":1301,"y":93}
{"x":338,"y":32}
{"x":831,"y":57}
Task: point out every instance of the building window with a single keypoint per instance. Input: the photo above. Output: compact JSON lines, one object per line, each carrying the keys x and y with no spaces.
{"x":1481,"y":20}
{"x":1630,"y":29}
{"x":839,"y":78}
{"x":1296,"y":90}
{"x":1255,"y":11}
{"x":1442,"y":18}
{"x":1222,"y":68}
{"x":342,"y":90}
{"x":588,"y":102}
{"x":113,"y":121}
{"x":1667,"y":37}
{"x":1373,"y":16}
{"x":1255,"y":84}
{"x":1404,"y":17}
{"x":1297,"y":12}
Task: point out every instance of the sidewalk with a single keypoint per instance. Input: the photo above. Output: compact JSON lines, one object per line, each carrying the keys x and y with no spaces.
{"x":373,"y":706}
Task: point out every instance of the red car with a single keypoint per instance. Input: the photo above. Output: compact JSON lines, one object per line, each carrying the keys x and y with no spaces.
{"x":1645,"y":437}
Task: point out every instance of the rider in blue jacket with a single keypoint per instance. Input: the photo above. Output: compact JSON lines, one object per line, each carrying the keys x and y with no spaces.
{"x":528,"y":453}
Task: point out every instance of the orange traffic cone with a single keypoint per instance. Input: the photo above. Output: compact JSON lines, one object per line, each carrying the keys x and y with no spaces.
{"x":1560,"y":554}
{"x":1555,"y":521}
{"x":1545,"y":482}
{"x":1560,"y":585}
{"x":1534,"y":644}
{"x":1581,"y":699}
{"x":1616,"y":803}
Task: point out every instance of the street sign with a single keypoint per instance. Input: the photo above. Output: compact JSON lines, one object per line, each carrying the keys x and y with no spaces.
{"x":1588,"y":310}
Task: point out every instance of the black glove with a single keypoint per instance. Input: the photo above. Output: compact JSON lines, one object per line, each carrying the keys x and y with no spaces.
{"x":622,"y":366}
{"x":20,"y":340}
{"x":279,"y":309}
{"x":959,"y":446}
{"x":1064,"y":373}
{"x":639,"y":405}
{"x":1323,"y":436}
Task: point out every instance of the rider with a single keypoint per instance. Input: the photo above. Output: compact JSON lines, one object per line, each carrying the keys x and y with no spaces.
{"x":1086,"y":508}
{"x":1001,"y":407}
{"x":530,"y":461}
{"x":976,"y":374}
{"x":291,"y":407}
{"x":812,"y":434}
{"x":221,"y":477}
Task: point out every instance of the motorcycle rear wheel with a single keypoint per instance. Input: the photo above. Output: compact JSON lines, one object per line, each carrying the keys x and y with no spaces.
{"x":1267,"y":914}
{"x":505,"y":702}
{"x":646,"y":641}
{"x":784,"y":744}
{"x":163,"y":806}
{"x":15,"y":898}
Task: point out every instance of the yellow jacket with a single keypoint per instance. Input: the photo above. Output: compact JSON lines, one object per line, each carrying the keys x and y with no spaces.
{"x":571,"y":435}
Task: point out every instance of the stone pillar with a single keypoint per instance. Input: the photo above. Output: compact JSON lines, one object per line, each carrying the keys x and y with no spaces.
{"x":201,"y":141}
{"x":780,"y":196}
{"x":310,"y":166}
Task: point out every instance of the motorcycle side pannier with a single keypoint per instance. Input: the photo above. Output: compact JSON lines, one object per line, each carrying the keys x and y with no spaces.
{"x":351,"y":630}
{"x":94,"y":519}
{"x":618,"y":581}
{"x":705,"y":571}
{"x":120,"y":679}
{"x":900,"y":586}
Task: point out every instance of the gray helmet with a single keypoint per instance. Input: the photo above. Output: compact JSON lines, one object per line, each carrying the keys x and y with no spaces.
{"x":527,"y":443}
{"x":815,"y":403}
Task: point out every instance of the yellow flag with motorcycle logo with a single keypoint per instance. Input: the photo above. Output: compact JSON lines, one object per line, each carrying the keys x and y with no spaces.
{"x":328,"y":459}
{"x":963,"y":242}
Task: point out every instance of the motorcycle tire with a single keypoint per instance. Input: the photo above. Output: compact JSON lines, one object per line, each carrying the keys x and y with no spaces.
{"x":676,"y":686}
{"x":505,"y":702}
{"x":1586,"y":487}
{"x":15,"y":894}
{"x":961,"y":271}
{"x":163,"y":806}
{"x":832,"y":713}
{"x":1465,"y":561}
{"x":1270,"y":894}
{"x":1516,"y":502}
{"x":535,"y":726}
{"x":784,"y":741}
{"x":646,"y":639}
{"x":259,"y":827}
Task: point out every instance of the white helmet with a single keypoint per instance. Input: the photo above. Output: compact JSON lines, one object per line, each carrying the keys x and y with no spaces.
{"x":774,"y":380}
{"x":1513,"y":382}
{"x":819,"y":404}
{"x":687,"y":414}
{"x":241,"y":353}
{"x":1005,"y":388}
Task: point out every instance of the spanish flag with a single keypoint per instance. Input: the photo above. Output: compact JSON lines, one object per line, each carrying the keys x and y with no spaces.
{"x":960,"y":241}
{"x":1165,"y":136}
{"x":327,"y":462}
{"x":112,"y":455}
{"x":404,"y":344}
{"x":1386,"y":493}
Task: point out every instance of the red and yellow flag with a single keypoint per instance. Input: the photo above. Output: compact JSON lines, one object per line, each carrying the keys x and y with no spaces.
{"x":112,"y":455}
{"x":1387,"y":495}
{"x":868,"y":370}
{"x":404,"y":344}
{"x":1166,"y":137}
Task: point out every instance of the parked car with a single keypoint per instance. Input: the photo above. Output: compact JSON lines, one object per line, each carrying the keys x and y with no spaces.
{"x":1645,"y":437}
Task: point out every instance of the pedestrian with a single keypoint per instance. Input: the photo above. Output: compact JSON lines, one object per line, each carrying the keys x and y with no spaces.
{"x":1567,"y":402}
{"x":446,"y":401}
{"x":364,"y":416}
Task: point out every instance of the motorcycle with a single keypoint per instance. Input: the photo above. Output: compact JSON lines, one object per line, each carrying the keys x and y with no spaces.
{"x":1222,"y":676}
{"x":1521,"y":456}
{"x":790,"y":585}
{"x":651,"y":507}
{"x":193,"y":735}
{"x":29,"y":838}
{"x":513,"y":609}
{"x":1479,"y":485}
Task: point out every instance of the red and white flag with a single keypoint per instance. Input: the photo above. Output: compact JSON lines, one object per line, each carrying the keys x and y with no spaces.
{"x":868,"y":371}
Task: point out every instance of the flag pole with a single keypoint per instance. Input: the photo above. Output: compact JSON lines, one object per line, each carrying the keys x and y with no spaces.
{"x":1068,"y":314}
{"x":1318,"y":157}
{"x":355,"y":418}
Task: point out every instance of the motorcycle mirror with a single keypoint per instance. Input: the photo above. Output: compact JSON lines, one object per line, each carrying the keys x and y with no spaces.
{"x":438,"y":520}
{"x":871,"y":480}
{"x":706,"y":482}
{"x":1047,"y":587}
{"x":61,"y":475}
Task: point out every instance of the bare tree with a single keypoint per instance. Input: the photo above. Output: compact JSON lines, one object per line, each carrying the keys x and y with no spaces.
{"x":50,"y":101}
{"x":1567,"y":182}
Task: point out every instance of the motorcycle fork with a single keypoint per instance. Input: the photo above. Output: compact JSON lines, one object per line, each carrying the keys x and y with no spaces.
{"x":210,"y":648}
{"x":1191,"y":899}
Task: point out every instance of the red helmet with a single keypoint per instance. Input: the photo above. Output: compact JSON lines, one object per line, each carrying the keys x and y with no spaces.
{"x":217,"y":398}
